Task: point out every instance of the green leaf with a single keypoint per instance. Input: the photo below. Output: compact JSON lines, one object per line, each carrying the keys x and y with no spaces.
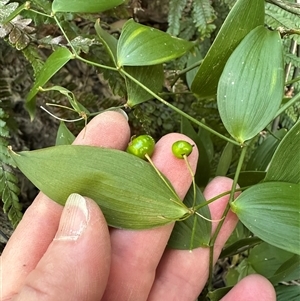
{"x":225,"y":160}
{"x":262,"y":156}
{"x":128,"y":190}
{"x":64,"y":136}
{"x":109,"y":41}
{"x":272,"y":212}
{"x":219,"y":293}
{"x":243,"y":17}
{"x":265,"y":259}
{"x":240,"y":245}
{"x":150,"y":76}
{"x":78,"y":107}
{"x":251,"y":86}
{"x":83,"y":6}
{"x":194,"y":232}
{"x":52,"y":65}
{"x":140,"y":45}
{"x":285,"y":164}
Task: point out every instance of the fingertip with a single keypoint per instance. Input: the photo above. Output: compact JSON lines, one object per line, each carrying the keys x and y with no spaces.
{"x":251,"y":288}
{"x":109,"y":129}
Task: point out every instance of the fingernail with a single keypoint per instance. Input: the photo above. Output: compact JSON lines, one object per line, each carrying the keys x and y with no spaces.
{"x":121,"y":112}
{"x":74,"y":218}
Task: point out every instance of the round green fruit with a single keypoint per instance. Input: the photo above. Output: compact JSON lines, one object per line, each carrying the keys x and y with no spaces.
{"x":141,"y":146}
{"x":181,"y":148}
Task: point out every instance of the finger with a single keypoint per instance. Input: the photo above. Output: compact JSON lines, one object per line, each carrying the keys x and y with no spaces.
{"x":135,"y":254}
{"x":39,"y":224}
{"x":182,"y":274}
{"x":252,"y":288}
{"x":70,"y":266}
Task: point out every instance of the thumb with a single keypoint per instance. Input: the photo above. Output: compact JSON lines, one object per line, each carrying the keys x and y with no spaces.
{"x":77,"y":262}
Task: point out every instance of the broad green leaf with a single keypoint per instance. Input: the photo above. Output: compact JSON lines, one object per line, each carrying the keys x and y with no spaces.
{"x":251,"y":86}
{"x":195,"y":231}
{"x":243,"y":17}
{"x":225,"y":160}
{"x":265,"y":259}
{"x":84,"y":6}
{"x":52,"y":65}
{"x":150,"y":76}
{"x":109,"y":41}
{"x":262,"y":156}
{"x":64,"y":135}
{"x":271,"y":211}
{"x":203,"y":165}
{"x":285,"y":164}
{"x":140,"y":45}
{"x":128,"y":190}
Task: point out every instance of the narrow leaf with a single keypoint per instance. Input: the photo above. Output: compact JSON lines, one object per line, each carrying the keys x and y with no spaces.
{"x":83,"y":6}
{"x":109,"y":41}
{"x":52,"y":65}
{"x":128,"y":190}
{"x":225,"y":160}
{"x":251,"y":86}
{"x":140,"y":45}
{"x":285,"y":164}
{"x":150,"y":76}
{"x":271,"y":211}
{"x":243,"y":17}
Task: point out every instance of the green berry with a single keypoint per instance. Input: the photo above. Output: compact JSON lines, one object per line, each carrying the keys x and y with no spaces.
{"x":141,"y":145}
{"x":181,"y":148}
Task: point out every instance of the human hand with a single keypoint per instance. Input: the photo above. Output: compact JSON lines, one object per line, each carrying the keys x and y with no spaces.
{"x":68,"y":253}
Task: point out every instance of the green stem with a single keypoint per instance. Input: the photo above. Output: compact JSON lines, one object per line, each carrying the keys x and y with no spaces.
{"x":217,"y":231}
{"x":76,"y":55}
{"x":95,"y":64}
{"x":218,"y":196}
{"x":65,"y":35}
{"x":178,"y":110}
{"x":288,"y":104}
{"x":40,"y":13}
{"x":183,"y":71}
